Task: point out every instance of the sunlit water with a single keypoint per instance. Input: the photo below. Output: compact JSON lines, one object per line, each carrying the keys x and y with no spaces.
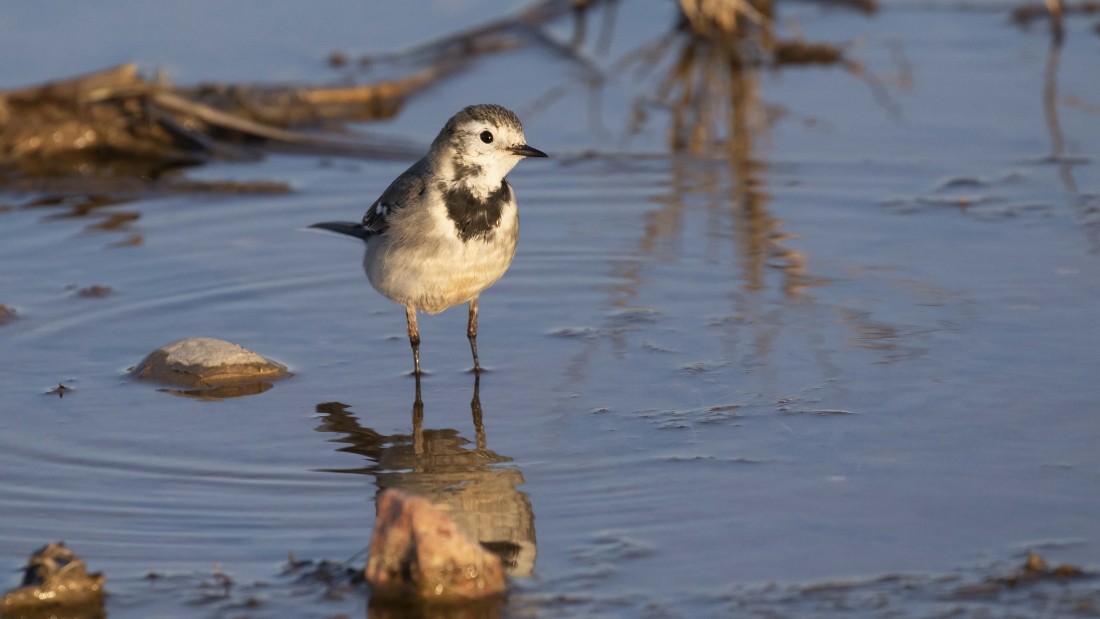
{"x":861,"y":342}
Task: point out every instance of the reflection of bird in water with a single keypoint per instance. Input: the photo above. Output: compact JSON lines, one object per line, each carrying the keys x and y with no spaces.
{"x":446,"y":229}
{"x":440,"y":466}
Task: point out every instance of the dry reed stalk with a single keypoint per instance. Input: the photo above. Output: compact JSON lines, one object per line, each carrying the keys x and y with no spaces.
{"x":710,"y":18}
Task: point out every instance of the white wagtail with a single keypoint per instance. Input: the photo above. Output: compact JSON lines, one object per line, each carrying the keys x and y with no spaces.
{"x":446,"y":229}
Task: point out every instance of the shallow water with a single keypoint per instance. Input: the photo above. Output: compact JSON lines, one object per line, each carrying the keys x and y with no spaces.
{"x":861,"y":342}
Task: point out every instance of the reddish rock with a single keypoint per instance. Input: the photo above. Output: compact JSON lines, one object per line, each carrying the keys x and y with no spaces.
{"x":418,"y":552}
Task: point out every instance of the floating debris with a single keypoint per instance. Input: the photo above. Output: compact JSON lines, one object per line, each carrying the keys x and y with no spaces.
{"x":60,"y":390}
{"x":95,"y":291}
{"x":55,"y":583}
{"x":804,"y":53}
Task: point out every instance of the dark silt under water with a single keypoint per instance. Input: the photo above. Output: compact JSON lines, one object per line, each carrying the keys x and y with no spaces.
{"x":845,"y":365}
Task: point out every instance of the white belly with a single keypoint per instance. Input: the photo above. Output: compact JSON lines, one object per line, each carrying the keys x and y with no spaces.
{"x":437,"y":270}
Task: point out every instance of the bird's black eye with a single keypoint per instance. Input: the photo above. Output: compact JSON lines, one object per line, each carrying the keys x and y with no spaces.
{"x":487,"y":137}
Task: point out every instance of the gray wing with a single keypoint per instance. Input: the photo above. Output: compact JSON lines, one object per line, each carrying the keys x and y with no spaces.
{"x":404,"y":190}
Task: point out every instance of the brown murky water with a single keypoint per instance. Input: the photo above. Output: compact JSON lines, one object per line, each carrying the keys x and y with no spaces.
{"x":841,"y":365}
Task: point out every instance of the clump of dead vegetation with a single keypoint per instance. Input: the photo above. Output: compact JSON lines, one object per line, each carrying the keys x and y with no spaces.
{"x":111,"y":127}
{"x":119,"y":120}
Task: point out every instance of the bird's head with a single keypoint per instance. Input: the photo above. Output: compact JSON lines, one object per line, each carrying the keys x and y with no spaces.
{"x":481,"y":144}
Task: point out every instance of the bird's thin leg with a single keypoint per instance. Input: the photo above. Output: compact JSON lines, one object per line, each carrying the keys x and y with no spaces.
{"x":471,"y":332}
{"x":414,"y":337}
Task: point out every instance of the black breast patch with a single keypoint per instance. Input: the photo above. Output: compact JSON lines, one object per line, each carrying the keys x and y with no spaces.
{"x":473,"y":217}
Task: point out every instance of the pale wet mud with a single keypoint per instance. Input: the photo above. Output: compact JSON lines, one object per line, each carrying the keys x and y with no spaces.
{"x":842,"y":363}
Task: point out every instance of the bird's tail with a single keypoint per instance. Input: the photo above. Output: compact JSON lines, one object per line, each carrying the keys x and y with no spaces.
{"x":345,"y":227}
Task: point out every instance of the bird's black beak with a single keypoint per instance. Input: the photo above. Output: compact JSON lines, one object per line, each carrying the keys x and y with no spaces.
{"x":524,"y":150}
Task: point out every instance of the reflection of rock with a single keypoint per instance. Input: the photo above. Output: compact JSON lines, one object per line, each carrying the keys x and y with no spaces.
{"x":55,"y":584}
{"x":208,"y":367}
{"x":467,"y":484}
{"x":418,"y":550}
{"x":488,"y":608}
{"x":222,"y":391}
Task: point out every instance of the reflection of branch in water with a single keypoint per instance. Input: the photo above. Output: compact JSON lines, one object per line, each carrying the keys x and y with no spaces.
{"x":1058,"y":155}
{"x":756,"y":232}
{"x":877,"y":84}
{"x":710,"y":83}
{"x":710,"y":92}
{"x":713,"y":98}
{"x":610,"y":9}
{"x":439,"y":466}
{"x":1050,"y":111}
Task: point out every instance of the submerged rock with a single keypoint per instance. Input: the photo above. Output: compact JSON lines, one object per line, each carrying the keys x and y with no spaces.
{"x":55,"y":584}
{"x":204,"y":362}
{"x":418,"y":552}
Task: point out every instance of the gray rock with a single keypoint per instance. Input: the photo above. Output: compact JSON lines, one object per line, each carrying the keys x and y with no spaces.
{"x":207,"y":362}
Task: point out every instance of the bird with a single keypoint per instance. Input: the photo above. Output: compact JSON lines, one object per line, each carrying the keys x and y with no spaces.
{"x":446,"y":228}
